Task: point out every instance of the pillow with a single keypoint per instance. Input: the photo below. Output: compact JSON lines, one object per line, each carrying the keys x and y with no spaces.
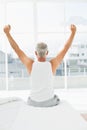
{"x":9,"y":100}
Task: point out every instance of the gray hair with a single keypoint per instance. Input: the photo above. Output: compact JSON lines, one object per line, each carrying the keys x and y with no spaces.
{"x":41,"y":49}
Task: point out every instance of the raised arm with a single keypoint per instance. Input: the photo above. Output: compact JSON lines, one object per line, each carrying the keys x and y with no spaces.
{"x":55,"y":62}
{"x":25,"y":60}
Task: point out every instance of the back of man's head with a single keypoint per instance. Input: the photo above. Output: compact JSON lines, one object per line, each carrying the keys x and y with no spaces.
{"x":41,"y":49}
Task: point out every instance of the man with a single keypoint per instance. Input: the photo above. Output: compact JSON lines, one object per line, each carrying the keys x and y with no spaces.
{"x":42,"y":72}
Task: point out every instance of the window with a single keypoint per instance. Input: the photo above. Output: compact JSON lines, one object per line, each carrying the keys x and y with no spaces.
{"x":2,"y":68}
{"x":35,"y":21}
{"x":2,"y":52}
{"x":20,"y":16}
{"x":77,"y":70}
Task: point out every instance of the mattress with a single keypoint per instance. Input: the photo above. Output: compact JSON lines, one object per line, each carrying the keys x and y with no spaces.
{"x":61,"y":117}
{"x":9,"y":108}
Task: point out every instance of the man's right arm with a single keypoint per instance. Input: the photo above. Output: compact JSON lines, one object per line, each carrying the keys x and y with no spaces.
{"x":25,"y":60}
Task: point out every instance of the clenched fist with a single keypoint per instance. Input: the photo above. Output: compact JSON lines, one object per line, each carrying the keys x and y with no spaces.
{"x":7,"y":29}
{"x":73,"y":28}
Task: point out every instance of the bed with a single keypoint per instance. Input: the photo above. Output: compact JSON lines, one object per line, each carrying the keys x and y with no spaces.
{"x":17,"y":115}
{"x":9,"y":108}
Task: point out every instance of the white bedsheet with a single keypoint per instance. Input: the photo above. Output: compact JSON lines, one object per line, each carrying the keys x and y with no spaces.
{"x":9,"y":108}
{"x":9,"y":100}
{"x":61,"y":117}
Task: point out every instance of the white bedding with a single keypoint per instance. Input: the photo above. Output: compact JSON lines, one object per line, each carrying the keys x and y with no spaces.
{"x":16,"y":115}
{"x":9,"y":108}
{"x":9,"y":100}
{"x":61,"y":117}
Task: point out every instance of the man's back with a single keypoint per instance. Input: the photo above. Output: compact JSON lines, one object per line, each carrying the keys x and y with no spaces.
{"x":41,"y":81}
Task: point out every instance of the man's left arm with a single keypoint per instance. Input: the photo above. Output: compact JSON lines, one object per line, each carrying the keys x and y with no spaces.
{"x":55,"y":62}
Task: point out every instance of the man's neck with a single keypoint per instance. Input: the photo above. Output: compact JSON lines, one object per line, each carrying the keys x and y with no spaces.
{"x":41,"y":59}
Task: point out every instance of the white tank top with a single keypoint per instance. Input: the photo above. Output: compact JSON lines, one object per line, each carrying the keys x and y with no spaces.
{"x":41,"y":81}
